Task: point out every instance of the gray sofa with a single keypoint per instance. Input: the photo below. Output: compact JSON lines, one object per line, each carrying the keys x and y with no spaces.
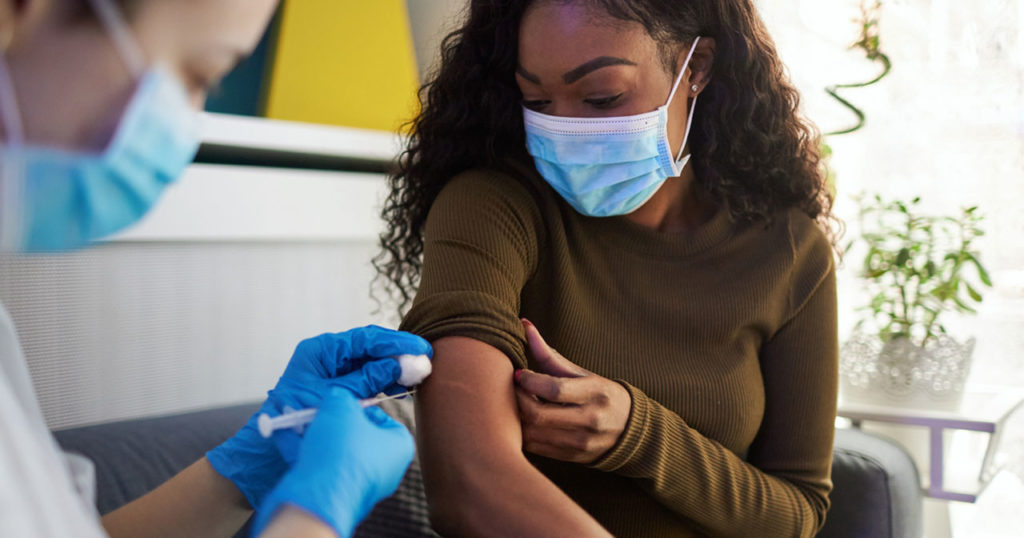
{"x":877,"y":490}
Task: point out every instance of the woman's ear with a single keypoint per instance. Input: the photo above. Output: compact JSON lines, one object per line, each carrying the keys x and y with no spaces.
{"x":700,"y":64}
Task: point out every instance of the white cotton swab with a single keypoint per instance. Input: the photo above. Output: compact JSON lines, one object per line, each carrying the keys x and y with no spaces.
{"x":415,"y":368}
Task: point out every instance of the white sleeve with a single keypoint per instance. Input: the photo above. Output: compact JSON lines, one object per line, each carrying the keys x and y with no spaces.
{"x":38,"y":497}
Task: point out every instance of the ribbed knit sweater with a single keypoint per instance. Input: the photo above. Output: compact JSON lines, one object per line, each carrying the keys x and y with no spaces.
{"x":724,"y":337}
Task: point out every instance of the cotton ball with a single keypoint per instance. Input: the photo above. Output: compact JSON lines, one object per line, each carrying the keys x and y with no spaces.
{"x":415,"y":368}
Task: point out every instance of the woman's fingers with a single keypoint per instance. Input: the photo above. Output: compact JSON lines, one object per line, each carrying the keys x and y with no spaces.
{"x":564,"y":390}
{"x":566,"y":412}
{"x":555,"y":452}
{"x":567,"y":445}
{"x":536,"y":414}
{"x":548,"y":359}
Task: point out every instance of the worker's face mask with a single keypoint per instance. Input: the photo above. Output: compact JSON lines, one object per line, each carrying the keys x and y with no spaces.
{"x":605,"y":167}
{"x":54,"y":199}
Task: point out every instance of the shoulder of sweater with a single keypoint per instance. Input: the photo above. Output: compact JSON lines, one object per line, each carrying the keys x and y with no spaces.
{"x":807,"y":238}
{"x":812,"y":255}
{"x":483,"y":185}
{"x":479,"y":196}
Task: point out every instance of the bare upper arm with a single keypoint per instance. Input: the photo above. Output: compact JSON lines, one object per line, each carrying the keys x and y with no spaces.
{"x":469,"y":391}
{"x":477,"y":480}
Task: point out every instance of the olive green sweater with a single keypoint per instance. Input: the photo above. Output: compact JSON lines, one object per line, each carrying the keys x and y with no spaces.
{"x":724,"y":337}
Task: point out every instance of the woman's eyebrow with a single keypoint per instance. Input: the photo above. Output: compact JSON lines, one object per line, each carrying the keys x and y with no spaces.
{"x":527,"y":75}
{"x":577,"y":73}
{"x":593,"y":65}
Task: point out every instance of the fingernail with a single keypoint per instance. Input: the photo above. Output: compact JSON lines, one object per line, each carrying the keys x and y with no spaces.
{"x":517,"y":374}
{"x":526,"y":322}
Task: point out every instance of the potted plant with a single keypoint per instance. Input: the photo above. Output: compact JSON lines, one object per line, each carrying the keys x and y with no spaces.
{"x":918,"y":269}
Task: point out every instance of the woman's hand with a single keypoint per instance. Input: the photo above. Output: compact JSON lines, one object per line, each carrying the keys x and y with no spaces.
{"x":568,"y":413}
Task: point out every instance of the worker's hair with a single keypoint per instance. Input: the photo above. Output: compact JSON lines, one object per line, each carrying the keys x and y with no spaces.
{"x":751,"y":147}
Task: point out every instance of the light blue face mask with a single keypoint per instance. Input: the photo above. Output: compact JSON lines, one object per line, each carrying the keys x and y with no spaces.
{"x":54,"y":199}
{"x":605,"y":167}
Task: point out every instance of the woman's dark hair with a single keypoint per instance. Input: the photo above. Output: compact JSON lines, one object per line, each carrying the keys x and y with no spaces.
{"x":751,"y":148}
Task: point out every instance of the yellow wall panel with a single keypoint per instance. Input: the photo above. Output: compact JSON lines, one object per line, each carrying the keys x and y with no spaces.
{"x":344,"y":62}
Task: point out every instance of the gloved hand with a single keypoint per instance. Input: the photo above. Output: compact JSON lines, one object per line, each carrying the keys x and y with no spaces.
{"x":348,"y":460}
{"x":252,"y":462}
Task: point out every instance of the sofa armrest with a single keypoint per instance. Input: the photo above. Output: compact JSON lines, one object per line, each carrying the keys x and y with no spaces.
{"x":876,"y":489}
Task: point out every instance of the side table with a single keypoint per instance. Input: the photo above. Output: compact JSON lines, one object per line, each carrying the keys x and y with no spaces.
{"x":984,"y":409}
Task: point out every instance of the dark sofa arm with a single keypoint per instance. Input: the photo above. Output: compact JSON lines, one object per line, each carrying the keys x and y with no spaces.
{"x":876,"y":489}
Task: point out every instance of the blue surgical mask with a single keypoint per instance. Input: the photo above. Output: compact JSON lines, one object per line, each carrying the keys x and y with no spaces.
{"x":605,"y":167}
{"x":56,"y":199}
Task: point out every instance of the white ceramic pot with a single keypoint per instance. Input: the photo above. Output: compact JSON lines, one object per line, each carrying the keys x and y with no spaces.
{"x":900,"y":373}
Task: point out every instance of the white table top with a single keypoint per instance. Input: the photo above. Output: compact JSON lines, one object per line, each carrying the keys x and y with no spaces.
{"x":983,"y":407}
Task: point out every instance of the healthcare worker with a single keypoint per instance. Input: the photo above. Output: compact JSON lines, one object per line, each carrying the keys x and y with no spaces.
{"x":98,"y":103}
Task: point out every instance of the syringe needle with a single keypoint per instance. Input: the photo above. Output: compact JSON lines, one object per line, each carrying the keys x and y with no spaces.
{"x":267,"y":424}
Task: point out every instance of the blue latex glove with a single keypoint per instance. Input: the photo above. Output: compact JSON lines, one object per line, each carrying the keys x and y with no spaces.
{"x":349,"y":459}
{"x":252,"y":462}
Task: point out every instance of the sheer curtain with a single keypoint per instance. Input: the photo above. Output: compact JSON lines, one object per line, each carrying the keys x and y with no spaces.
{"x":948,"y":125}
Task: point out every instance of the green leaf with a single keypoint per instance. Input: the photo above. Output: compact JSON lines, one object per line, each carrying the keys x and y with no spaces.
{"x":903,"y":257}
{"x":963,"y":307}
{"x":982,"y":273}
{"x":973,"y":293}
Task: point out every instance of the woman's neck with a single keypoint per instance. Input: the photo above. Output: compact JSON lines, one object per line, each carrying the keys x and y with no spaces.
{"x":678,"y":206}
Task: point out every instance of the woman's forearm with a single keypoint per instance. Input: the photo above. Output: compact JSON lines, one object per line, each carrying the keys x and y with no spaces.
{"x":195,"y":502}
{"x":477,"y":479}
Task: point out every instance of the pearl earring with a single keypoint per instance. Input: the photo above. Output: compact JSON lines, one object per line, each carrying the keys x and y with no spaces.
{"x":695,"y":88}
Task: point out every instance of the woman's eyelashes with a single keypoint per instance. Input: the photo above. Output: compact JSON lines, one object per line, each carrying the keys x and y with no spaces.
{"x":601,"y":103}
{"x":535,"y":104}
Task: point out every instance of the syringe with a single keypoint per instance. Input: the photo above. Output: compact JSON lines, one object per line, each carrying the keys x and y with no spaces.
{"x":297,"y":419}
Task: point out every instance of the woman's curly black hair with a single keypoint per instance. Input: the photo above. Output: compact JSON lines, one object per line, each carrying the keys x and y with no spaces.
{"x":751,"y":147}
